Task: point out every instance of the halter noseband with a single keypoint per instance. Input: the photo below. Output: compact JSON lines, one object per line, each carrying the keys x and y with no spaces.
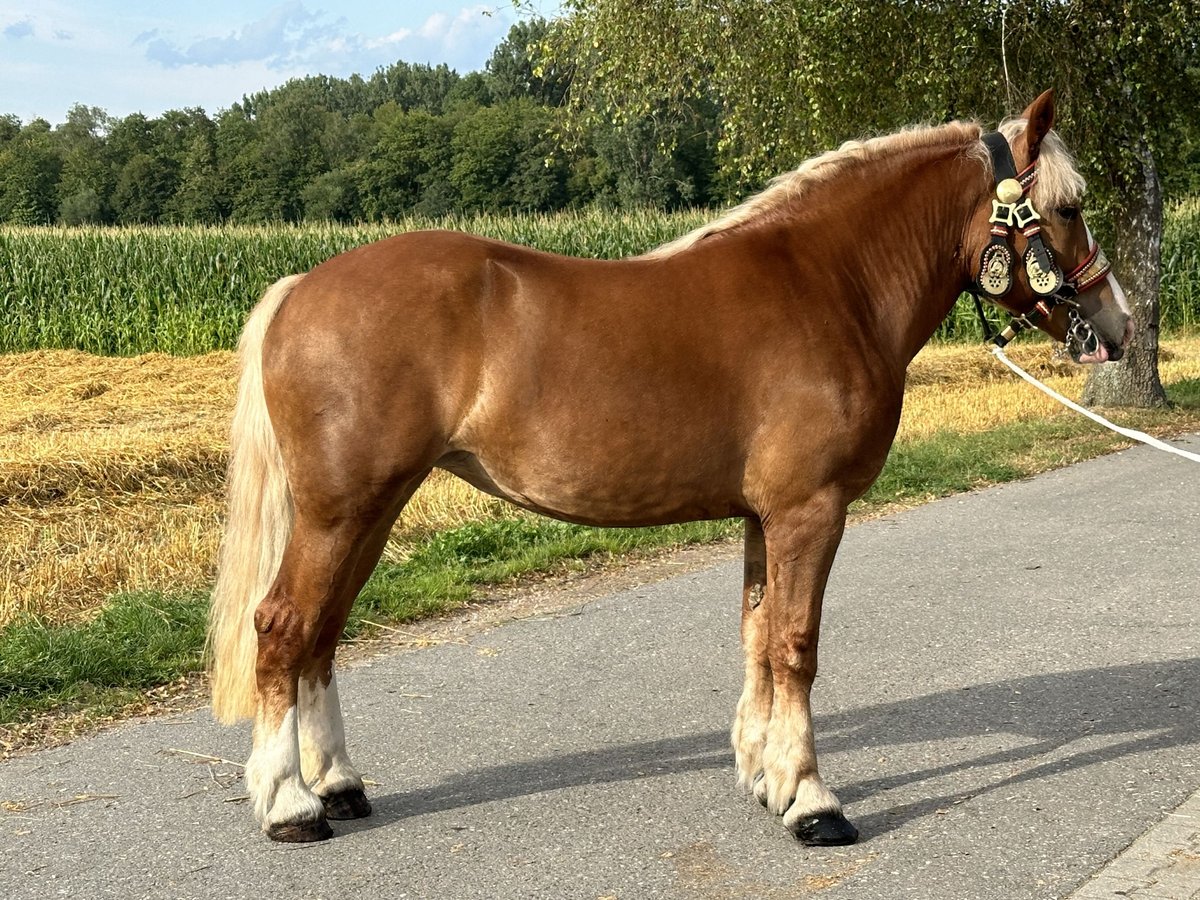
{"x":1013,"y":208}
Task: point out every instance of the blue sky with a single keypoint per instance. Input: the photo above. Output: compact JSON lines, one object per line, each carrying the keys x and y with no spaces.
{"x":132,"y":55}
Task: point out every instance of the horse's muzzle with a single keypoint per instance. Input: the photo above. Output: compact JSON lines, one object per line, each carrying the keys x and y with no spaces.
{"x":1100,"y":338}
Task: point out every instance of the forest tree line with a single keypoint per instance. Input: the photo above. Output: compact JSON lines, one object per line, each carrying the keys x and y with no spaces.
{"x":408,"y":139}
{"x":414,"y":139}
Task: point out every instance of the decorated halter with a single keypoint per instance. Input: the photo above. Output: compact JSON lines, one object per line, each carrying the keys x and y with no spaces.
{"x":1012,"y":209}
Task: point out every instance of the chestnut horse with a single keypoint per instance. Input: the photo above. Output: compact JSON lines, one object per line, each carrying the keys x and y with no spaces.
{"x":754,"y":368}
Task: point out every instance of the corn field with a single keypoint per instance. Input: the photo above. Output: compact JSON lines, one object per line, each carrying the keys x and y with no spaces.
{"x":1181,"y":267}
{"x":186,"y":290}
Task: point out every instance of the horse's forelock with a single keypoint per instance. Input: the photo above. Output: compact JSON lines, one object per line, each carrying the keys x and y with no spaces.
{"x":1058,"y":181}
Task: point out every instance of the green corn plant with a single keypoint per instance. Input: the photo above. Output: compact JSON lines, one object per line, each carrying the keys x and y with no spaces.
{"x":187,"y":289}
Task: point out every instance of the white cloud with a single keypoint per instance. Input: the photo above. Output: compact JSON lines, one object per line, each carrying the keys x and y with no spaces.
{"x":22,"y":28}
{"x":278,"y":39}
{"x":394,"y":38}
{"x":461,"y":40}
{"x":292,"y":36}
{"x":434,"y":27}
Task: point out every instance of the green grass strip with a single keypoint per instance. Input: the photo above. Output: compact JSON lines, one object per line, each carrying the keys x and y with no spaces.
{"x":138,"y":641}
{"x":445,"y":570}
{"x":142,"y":640}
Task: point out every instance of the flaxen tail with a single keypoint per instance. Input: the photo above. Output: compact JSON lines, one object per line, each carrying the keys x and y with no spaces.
{"x":258,"y":526}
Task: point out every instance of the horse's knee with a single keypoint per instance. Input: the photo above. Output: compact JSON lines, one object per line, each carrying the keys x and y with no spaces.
{"x":793,"y":658}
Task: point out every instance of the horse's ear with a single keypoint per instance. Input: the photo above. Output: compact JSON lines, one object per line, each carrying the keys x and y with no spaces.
{"x":1040,"y":118}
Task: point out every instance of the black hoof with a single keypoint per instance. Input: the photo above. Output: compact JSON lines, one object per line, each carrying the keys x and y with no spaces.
{"x":827,"y":829}
{"x":348,"y":804}
{"x":300,"y":832}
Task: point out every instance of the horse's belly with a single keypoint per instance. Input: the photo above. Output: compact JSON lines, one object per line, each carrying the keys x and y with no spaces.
{"x":608,"y":495}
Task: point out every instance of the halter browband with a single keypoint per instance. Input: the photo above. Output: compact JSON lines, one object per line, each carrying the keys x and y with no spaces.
{"x":1012,"y":208}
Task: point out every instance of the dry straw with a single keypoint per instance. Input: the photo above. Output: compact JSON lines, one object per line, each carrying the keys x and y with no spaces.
{"x":111,"y":478}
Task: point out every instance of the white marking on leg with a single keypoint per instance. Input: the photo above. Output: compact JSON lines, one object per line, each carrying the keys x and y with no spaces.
{"x":812,"y":797}
{"x":785,"y":756}
{"x":791,"y":784}
{"x":323,"y":758}
{"x":749,"y":733}
{"x":279,"y":794}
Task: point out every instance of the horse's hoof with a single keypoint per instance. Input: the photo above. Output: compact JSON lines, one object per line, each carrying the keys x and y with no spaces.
{"x":300,"y":832}
{"x":351,"y":803}
{"x":827,"y":829}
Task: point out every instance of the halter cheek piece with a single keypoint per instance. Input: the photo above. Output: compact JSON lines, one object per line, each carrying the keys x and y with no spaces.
{"x":1012,"y":209}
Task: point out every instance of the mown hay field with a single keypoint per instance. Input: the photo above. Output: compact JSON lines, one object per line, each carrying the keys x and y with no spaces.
{"x":111,"y":469}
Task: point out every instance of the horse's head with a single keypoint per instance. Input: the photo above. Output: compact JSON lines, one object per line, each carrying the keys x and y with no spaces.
{"x":1032,"y":252}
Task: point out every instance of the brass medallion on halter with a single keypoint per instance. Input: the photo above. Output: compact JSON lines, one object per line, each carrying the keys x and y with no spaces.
{"x":1012,"y":209}
{"x":1044,"y":279}
{"x":1009,"y":191}
{"x":996,"y":263}
{"x":996,"y":267}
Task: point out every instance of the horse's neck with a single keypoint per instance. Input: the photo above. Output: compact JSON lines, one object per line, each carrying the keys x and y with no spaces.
{"x":905,"y":222}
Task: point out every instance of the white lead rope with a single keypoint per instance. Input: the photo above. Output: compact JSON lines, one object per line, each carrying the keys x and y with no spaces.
{"x":1126,"y":432}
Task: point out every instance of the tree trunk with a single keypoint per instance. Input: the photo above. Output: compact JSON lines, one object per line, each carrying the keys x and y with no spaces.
{"x":1137,"y":263}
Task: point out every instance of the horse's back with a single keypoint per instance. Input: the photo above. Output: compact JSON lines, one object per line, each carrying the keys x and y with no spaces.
{"x":466,"y":308}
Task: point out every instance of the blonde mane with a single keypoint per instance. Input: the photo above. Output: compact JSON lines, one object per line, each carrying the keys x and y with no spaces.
{"x":1058,"y":184}
{"x":788,"y":187}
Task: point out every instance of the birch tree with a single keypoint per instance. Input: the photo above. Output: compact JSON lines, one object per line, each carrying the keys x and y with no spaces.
{"x":794,"y":77}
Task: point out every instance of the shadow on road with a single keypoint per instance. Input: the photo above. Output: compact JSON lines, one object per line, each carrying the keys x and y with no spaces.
{"x":1121,"y":711}
{"x":1154,"y":704}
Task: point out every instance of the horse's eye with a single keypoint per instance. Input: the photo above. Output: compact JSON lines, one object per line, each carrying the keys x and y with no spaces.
{"x":1068,"y":212}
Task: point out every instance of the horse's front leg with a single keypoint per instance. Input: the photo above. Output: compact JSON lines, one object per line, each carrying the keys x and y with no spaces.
{"x":801,"y":544}
{"x":754,"y":708}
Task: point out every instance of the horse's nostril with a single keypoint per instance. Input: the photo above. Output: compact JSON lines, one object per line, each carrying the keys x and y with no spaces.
{"x":1130,"y":328}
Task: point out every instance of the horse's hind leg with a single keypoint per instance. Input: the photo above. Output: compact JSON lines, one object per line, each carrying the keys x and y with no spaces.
{"x":754,"y":708}
{"x":298,"y":624}
{"x":801,"y":545}
{"x":324,"y":761}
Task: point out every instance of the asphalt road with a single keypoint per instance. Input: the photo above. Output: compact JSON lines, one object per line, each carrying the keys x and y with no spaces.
{"x":1007,"y":699}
